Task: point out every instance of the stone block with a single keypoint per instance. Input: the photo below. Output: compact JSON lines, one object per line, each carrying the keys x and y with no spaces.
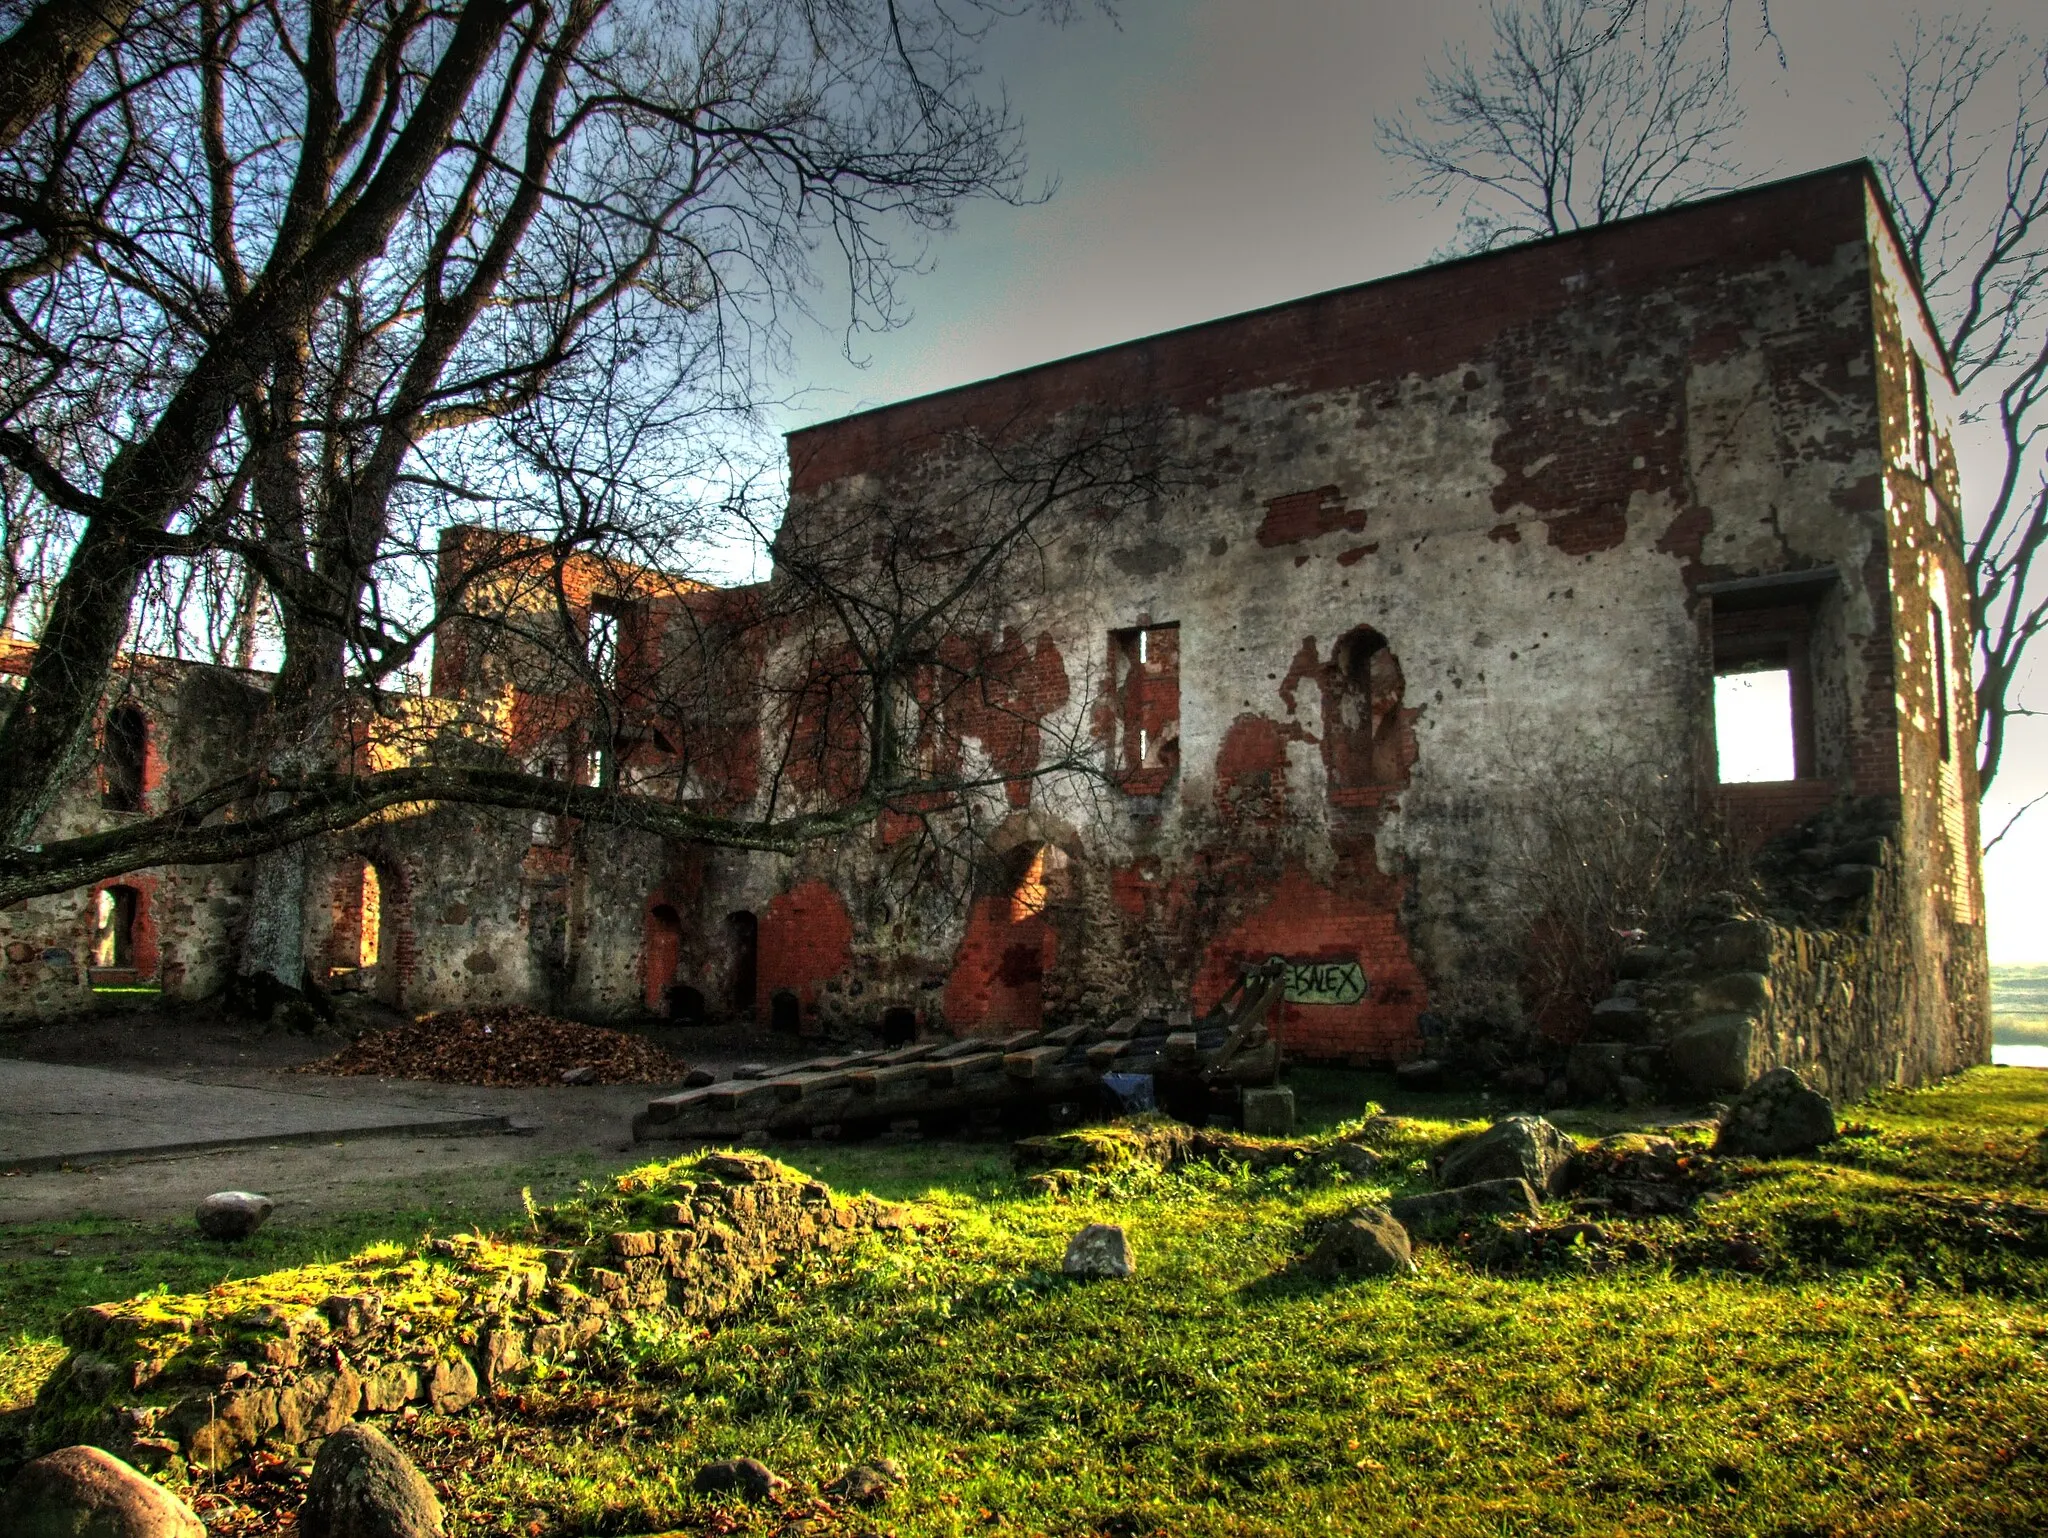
{"x":1735,"y":993}
{"x":1711,"y":1056}
{"x":1269,"y":1112}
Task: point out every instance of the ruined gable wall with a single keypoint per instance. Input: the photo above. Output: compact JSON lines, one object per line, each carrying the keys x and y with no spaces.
{"x":187,"y":917}
{"x":1517,"y":471}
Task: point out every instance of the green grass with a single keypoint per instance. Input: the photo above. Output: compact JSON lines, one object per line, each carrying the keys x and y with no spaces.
{"x":1851,"y":1344}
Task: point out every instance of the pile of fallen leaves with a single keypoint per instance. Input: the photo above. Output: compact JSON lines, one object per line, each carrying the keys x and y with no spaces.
{"x":505,"y":1046}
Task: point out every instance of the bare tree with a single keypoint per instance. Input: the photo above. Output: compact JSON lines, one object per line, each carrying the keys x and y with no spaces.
{"x":1585,"y":111}
{"x":763,"y":718}
{"x":292,"y":288}
{"x":1965,"y":162}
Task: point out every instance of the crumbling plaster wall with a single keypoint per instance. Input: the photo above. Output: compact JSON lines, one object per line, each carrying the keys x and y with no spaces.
{"x":1518,"y":470}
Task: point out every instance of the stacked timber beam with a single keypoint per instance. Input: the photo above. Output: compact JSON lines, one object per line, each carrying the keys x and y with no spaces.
{"x":1197,"y":1072}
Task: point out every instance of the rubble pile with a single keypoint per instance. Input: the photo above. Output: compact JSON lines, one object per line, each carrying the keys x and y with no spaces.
{"x":274,"y":1363}
{"x":505,"y":1047}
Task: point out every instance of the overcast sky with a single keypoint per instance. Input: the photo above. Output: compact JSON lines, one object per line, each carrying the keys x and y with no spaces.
{"x":1213,"y":156}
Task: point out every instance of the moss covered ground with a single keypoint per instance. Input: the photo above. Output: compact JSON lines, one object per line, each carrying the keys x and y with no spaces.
{"x":1855,"y":1343}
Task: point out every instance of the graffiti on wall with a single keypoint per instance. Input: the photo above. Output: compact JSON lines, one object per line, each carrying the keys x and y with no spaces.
{"x":1324,"y":982}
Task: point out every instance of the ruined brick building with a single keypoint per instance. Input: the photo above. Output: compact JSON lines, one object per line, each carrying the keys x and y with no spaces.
{"x":1449,"y":547}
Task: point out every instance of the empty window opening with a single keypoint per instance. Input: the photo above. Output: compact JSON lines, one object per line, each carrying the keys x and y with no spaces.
{"x":1754,"y":734}
{"x":127,"y":749}
{"x":1764,"y":717}
{"x":601,"y":640}
{"x":1146,"y":684}
{"x":1365,"y":746}
{"x":685,"y":1005}
{"x":743,"y":950}
{"x":370,"y":919}
{"x":785,"y":1015}
{"x":899,"y":1027}
{"x":114,"y":946}
{"x":1919,"y":429}
{"x":1043,"y":878}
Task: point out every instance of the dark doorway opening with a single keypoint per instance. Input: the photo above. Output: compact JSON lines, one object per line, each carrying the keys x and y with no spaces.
{"x":743,"y":945}
{"x":784,"y":1013}
{"x":685,"y":1005}
{"x":664,"y":953}
{"x":899,"y":1027}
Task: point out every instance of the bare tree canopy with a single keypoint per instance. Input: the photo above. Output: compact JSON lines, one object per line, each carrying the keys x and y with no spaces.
{"x":1585,"y":111}
{"x":290,"y":290}
{"x":1965,"y":162}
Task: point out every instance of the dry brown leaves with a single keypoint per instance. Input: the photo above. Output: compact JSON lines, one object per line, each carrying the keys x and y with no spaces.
{"x":501,"y":1047}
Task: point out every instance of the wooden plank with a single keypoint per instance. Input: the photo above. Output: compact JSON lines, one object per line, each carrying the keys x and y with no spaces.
{"x":1033,"y":1062}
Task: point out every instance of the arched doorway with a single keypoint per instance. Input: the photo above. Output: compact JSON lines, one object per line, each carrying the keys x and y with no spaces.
{"x":363,"y":951}
{"x":662,"y":955}
{"x":785,"y":1013}
{"x":899,"y":1026}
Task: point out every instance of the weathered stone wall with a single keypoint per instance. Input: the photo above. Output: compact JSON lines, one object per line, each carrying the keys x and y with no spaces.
{"x":1527,"y":483}
{"x":1814,"y":968}
{"x":186,"y":918}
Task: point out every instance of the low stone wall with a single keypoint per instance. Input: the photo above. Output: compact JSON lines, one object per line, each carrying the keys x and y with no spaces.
{"x":283,"y":1360}
{"x":1816,"y":970}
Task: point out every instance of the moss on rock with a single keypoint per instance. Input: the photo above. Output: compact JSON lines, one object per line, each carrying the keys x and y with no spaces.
{"x":288,"y":1358}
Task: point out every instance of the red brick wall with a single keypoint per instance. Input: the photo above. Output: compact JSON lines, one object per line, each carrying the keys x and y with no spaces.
{"x":1305,"y":921}
{"x":997,"y":979}
{"x":806,"y":938}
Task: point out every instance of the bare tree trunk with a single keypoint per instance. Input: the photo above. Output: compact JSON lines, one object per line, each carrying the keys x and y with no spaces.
{"x":47,"y":52}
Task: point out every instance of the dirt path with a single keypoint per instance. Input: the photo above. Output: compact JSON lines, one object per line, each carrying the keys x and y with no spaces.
{"x":565,"y":1134}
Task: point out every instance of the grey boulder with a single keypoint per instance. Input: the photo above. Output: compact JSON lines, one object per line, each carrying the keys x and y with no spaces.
{"x":1368,"y":1241}
{"x":233,"y":1214}
{"x":749,"y":1477}
{"x":1514,"y":1148}
{"x":1099,"y":1251}
{"x":867,"y":1484}
{"x":363,"y":1487}
{"x":1779,"y":1114}
{"x":1507,"y":1198}
{"x":82,"y":1492}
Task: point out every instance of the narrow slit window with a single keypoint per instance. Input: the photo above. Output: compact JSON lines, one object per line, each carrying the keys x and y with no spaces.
{"x":1937,"y":627}
{"x":1754,"y":733}
{"x":122,"y":763}
{"x":1146,"y":680}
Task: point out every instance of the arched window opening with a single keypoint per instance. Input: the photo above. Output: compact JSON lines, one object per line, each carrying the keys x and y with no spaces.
{"x":114,"y":946}
{"x":1043,"y":879}
{"x":785,"y":1014}
{"x":899,"y":1026}
{"x":1363,"y":743}
{"x":743,"y":951}
{"x":125,"y":752}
